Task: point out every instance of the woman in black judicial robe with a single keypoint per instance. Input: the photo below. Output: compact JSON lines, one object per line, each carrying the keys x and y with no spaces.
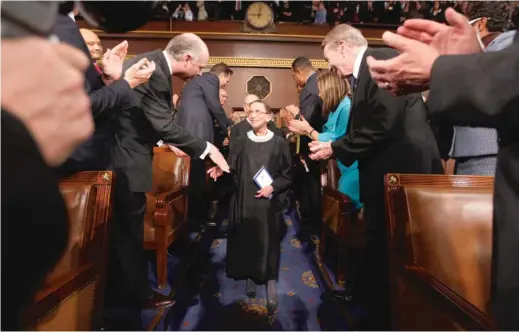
{"x":254,"y":240}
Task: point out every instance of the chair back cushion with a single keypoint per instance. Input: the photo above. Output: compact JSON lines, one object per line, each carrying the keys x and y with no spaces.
{"x":440,"y":230}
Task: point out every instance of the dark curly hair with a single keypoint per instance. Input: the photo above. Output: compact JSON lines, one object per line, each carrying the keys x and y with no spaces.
{"x":496,"y":12}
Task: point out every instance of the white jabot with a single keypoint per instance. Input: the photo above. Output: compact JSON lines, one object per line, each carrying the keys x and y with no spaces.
{"x":358,"y":61}
{"x":169,"y":63}
{"x":260,"y":139}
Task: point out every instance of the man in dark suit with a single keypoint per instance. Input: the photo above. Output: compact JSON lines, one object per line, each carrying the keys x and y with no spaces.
{"x":387,"y":134}
{"x":139,"y":128}
{"x":308,"y":189}
{"x":108,"y":93}
{"x":199,"y":108}
{"x":485,"y":94}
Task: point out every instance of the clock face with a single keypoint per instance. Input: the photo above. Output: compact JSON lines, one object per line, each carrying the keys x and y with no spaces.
{"x":259,"y":15}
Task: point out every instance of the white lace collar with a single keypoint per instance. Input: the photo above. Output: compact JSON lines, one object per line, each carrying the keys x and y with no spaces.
{"x":260,"y":139}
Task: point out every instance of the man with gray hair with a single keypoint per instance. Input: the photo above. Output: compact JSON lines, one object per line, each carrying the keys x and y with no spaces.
{"x":141,"y":124}
{"x":387,"y":135}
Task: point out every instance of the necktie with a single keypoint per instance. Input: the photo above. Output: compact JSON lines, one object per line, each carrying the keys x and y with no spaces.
{"x":99,"y":71}
{"x":353,"y":82}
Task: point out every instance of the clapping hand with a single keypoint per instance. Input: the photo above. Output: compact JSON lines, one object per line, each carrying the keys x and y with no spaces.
{"x":139,"y":73}
{"x":113,"y":61}
{"x":300,"y":127}
{"x":420,"y":43}
{"x":320,"y":150}
{"x":265,"y":192}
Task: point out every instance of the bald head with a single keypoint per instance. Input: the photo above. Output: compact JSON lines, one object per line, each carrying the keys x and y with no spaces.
{"x":248,"y":100}
{"x":93,"y":43}
{"x":189,"y":54}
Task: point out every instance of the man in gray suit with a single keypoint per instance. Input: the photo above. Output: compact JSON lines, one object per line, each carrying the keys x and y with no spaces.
{"x":475,"y":148}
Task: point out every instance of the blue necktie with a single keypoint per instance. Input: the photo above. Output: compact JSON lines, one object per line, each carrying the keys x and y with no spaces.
{"x":353,"y":82}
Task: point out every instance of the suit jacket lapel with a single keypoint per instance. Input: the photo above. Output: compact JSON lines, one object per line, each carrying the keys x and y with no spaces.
{"x":360,"y":81}
{"x":163,"y":63}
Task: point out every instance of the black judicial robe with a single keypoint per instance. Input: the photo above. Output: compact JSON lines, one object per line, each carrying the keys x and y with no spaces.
{"x":254,"y":233}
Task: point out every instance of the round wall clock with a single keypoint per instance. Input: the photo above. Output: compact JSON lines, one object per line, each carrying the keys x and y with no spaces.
{"x":259,"y":15}
{"x":259,"y":86}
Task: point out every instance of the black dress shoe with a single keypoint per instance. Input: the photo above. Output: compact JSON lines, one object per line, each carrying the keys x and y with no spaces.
{"x":342,"y":295}
{"x":157,"y":300}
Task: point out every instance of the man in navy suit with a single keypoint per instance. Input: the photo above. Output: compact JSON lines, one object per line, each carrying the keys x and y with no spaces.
{"x":199,"y":108}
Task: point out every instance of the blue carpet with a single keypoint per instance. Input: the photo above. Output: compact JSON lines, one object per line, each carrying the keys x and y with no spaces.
{"x":212,"y":301}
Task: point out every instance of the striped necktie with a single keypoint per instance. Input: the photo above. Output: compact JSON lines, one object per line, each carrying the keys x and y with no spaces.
{"x":99,"y":71}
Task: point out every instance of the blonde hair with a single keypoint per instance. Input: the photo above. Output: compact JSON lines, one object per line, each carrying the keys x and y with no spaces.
{"x":346,"y":33}
{"x":332,"y":90}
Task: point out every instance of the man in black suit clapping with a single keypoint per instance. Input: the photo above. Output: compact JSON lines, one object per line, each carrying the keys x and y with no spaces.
{"x":147,"y":119}
{"x":386,"y":134}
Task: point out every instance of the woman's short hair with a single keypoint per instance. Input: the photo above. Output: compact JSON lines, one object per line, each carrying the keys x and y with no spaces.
{"x":332,"y":90}
{"x":262,"y":102}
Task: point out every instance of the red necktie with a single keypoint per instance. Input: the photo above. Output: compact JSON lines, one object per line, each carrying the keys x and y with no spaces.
{"x":99,"y":71}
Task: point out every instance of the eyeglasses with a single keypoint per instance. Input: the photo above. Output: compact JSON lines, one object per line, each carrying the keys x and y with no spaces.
{"x":257,"y":112}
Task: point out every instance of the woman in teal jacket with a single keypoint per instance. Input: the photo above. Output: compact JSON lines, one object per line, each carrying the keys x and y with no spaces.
{"x":334,"y":91}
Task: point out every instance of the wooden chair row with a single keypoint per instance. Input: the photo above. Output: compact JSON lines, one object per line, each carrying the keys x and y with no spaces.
{"x":439,"y":245}
{"x":73,"y":296}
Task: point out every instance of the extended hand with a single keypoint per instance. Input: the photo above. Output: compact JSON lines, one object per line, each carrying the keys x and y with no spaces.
{"x":215,"y":172}
{"x":217,"y":157}
{"x":264,"y":192}
{"x":113,"y":61}
{"x":139,"y":73}
{"x":177,"y":151}
{"x":320,"y":150}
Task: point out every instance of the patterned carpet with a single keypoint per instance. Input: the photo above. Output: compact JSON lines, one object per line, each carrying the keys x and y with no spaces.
{"x":211,"y":301}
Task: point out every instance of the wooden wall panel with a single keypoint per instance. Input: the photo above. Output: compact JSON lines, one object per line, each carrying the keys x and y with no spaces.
{"x":284,"y":90}
{"x":247,"y":53}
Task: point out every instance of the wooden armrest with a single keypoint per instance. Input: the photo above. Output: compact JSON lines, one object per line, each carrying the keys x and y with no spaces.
{"x":162,"y":205}
{"x":56,"y":292}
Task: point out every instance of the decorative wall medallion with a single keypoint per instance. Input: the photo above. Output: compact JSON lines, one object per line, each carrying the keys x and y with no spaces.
{"x":259,"y":86}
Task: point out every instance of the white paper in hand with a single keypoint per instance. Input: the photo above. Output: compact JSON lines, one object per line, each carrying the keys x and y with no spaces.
{"x":263,"y":179}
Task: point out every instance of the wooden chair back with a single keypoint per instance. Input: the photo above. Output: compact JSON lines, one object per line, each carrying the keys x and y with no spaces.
{"x":440,"y":248}
{"x":73,"y":295}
